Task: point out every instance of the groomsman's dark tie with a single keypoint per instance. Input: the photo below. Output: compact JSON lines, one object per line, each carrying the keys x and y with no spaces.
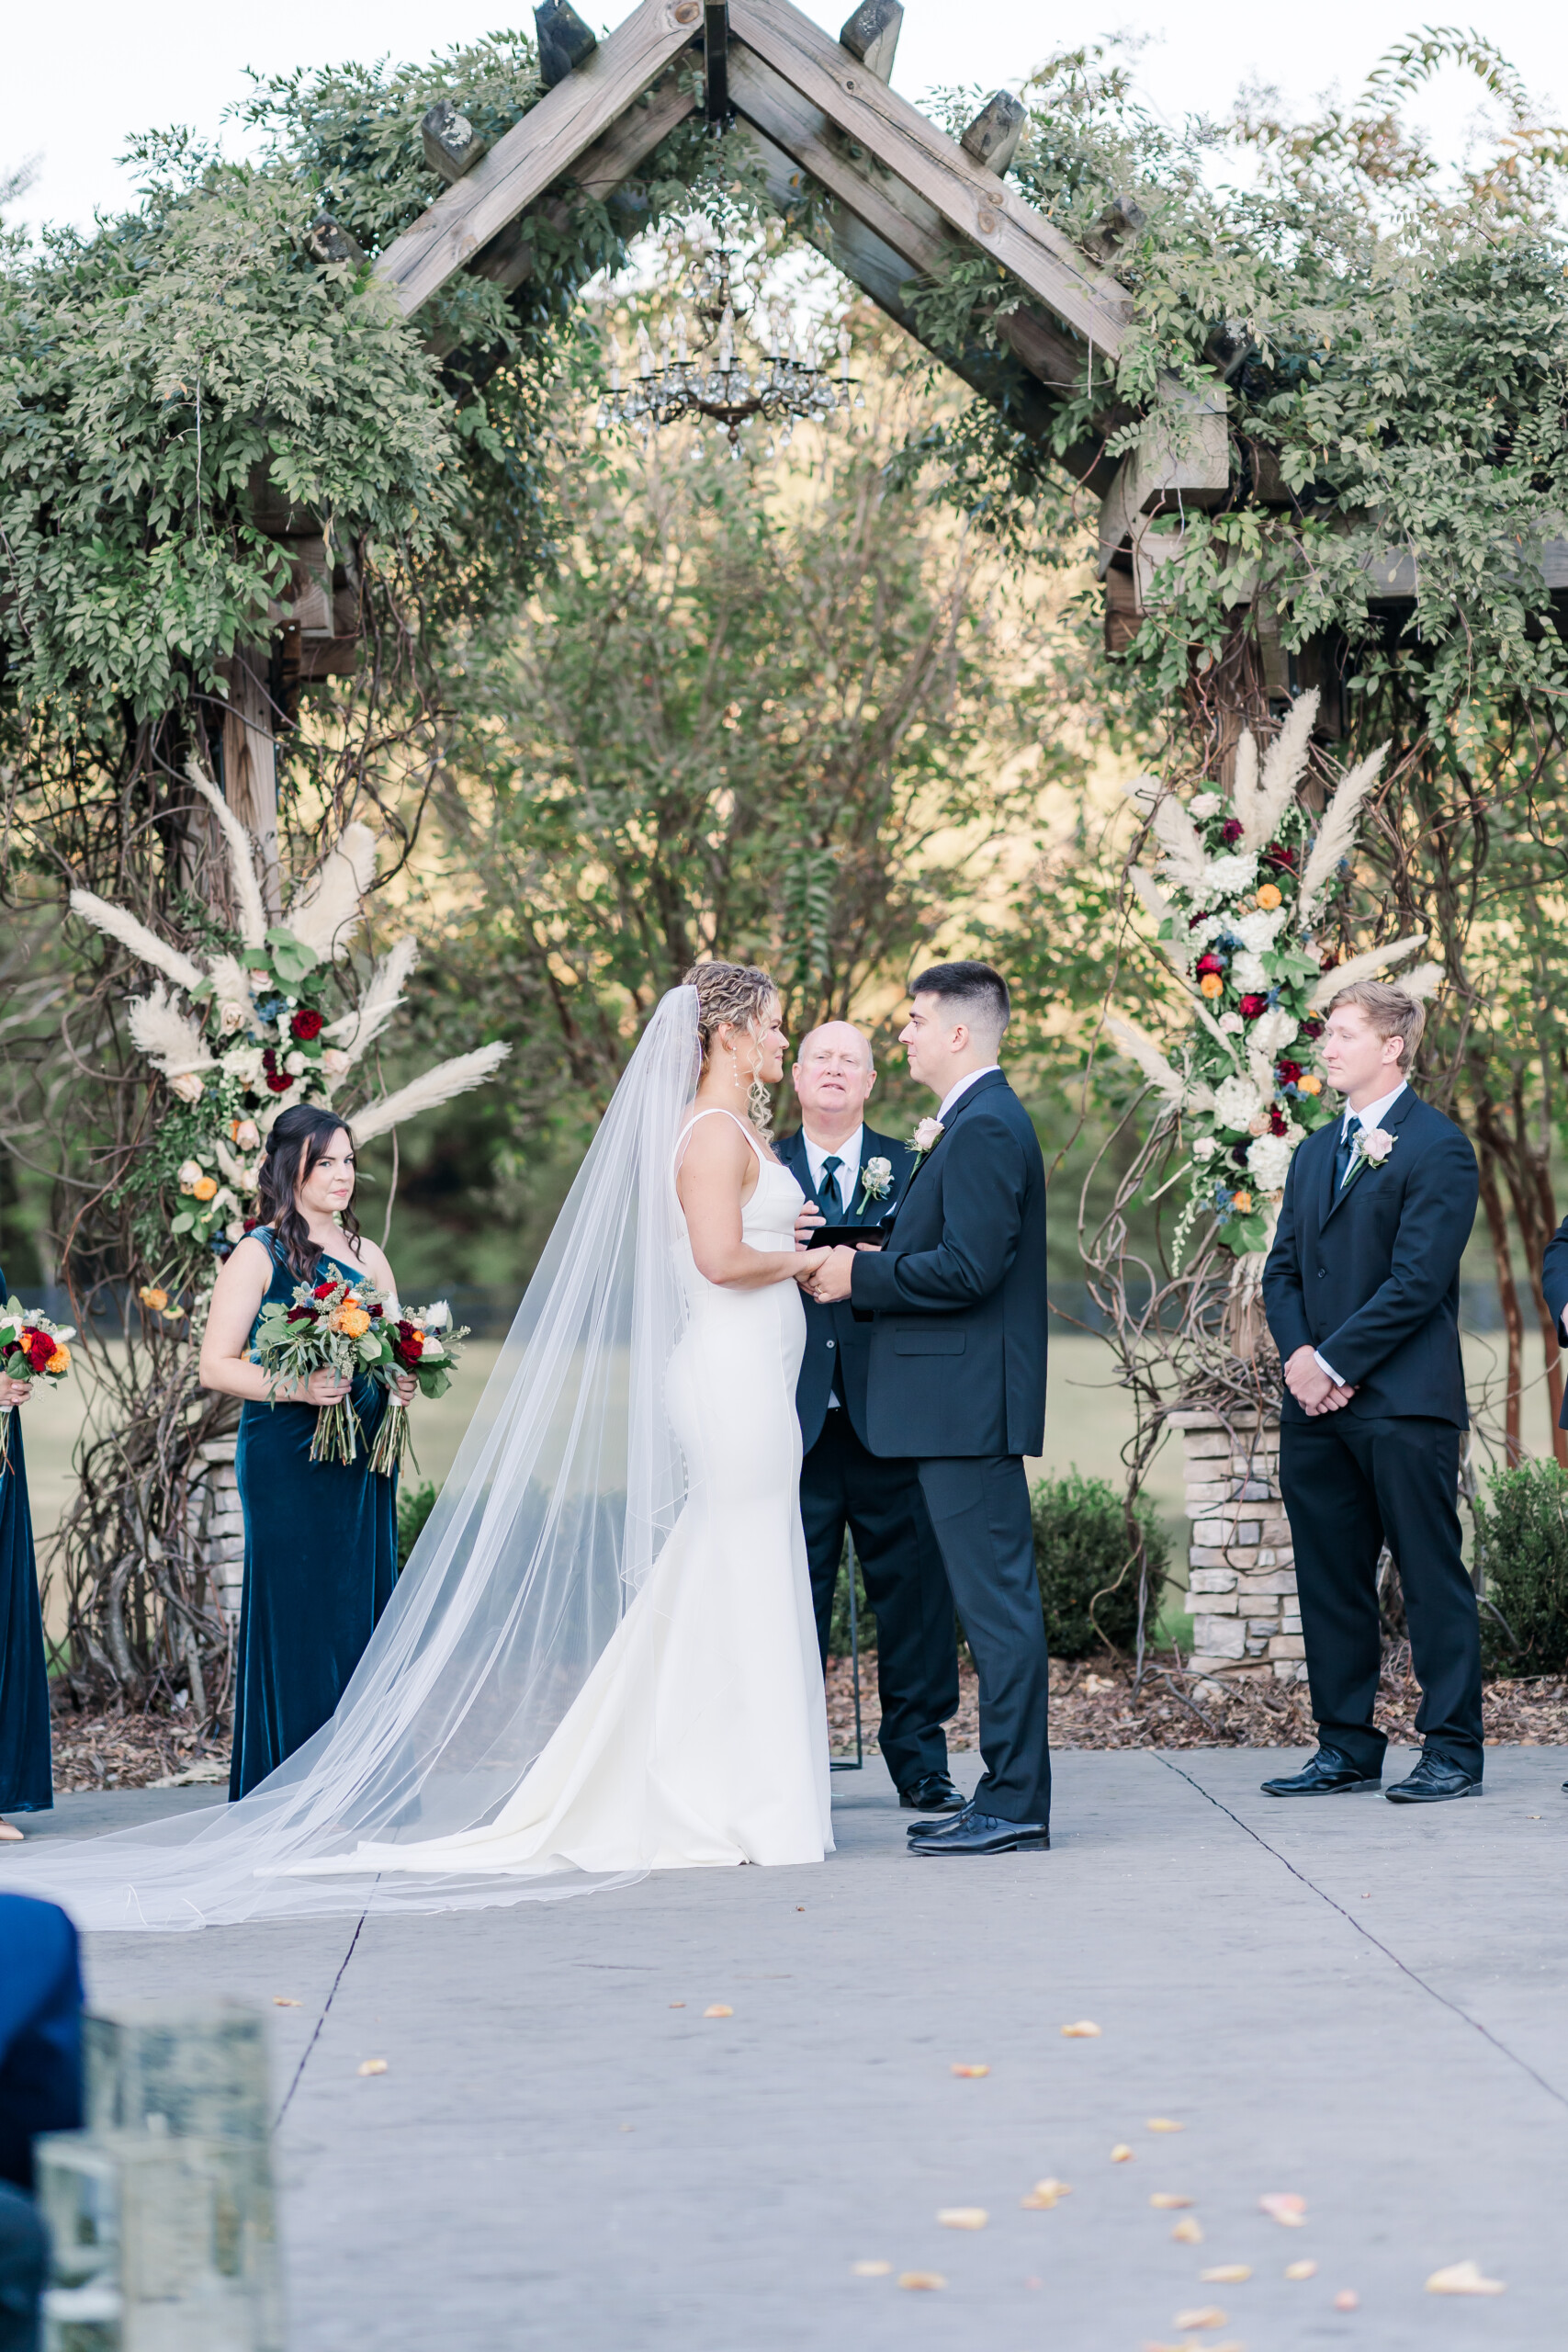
{"x":827,"y":1197}
{"x":1348,"y":1130}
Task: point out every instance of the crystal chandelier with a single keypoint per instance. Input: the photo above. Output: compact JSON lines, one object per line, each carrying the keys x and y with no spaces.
{"x":785,"y":382}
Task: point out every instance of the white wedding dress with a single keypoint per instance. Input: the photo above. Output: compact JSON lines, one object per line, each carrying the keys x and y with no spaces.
{"x":701,"y":1736}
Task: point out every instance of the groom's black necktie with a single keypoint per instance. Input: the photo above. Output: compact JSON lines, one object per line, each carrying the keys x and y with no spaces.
{"x":827,"y":1196}
{"x":1348,"y":1130}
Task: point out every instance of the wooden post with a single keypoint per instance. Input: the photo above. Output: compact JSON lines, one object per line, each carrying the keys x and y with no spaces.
{"x":250,"y":761}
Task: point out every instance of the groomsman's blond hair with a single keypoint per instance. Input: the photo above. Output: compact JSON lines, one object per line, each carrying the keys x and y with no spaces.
{"x":1390,"y":1011}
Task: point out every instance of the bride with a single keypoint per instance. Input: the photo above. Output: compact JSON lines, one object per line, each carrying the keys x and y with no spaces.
{"x":601,"y":1658}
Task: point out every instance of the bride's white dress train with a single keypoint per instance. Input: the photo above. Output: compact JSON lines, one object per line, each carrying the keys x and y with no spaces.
{"x":701,"y":1734}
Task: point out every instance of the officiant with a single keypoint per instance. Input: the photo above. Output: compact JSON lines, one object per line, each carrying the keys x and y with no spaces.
{"x":854,"y":1176}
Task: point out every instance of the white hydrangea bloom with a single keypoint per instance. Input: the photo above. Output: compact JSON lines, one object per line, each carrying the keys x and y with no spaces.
{"x":1204,"y":1150}
{"x":1269,"y":1161}
{"x":1230,"y":877}
{"x":1232,"y":1024}
{"x":243,"y":1062}
{"x":1205,"y":804}
{"x":1258,"y":931}
{"x":1209,"y":928}
{"x":1236,"y":1103}
{"x":1248,"y":975}
{"x":1272,"y":1031}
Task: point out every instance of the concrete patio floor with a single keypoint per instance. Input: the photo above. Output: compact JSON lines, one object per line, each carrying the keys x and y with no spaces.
{"x":1359,"y":2004}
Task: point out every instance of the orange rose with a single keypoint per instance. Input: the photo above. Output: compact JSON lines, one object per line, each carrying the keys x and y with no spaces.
{"x":352,"y":1321}
{"x":1269,"y":898}
{"x":60,"y":1360}
{"x":151,"y":1295}
{"x":1242,"y":1203}
{"x":1211,"y":985}
{"x":205,"y":1187}
{"x":1311,"y":1083}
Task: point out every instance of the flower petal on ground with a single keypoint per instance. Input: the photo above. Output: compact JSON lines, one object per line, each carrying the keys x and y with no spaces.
{"x":1289,"y":2210}
{"x":1165,"y":2202}
{"x":1044,"y":2194}
{"x":963,"y":2217}
{"x":1121,"y":2154}
{"x":1226,"y":2274}
{"x":870,"y":2270}
{"x":282,"y":2001}
{"x":1164,"y":2123}
{"x":1463,"y":2278}
{"x":1188,"y":2232}
{"x":1082,"y":2031}
{"x":924,"y":2280}
{"x":374,"y":2066}
{"x":719,"y":2010}
{"x":1347,"y":2300}
{"x":970,"y":2074}
{"x":1301,"y":2270}
{"x":1205,"y":2315}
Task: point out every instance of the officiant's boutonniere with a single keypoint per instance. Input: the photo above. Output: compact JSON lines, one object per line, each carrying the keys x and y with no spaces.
{"x":875,"y":1180}
{"x":1371,"y":1148}
{"x":927,"y":1136}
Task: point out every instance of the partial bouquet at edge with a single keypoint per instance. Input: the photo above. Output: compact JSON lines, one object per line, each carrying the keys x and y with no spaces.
{"x":332,"y":1325}
{"x":420,"y":1344}
{"x":31,"y":1348}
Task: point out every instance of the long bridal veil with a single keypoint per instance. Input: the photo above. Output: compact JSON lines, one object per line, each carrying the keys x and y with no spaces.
{"x":563,"y":1492}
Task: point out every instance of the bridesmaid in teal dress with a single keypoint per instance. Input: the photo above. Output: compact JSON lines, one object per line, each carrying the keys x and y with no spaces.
{"x":321,"y":1537}
{"x":25,"y":1782}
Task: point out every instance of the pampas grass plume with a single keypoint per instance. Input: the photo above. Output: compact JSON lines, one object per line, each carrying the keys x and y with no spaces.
{"x":327,"y":912}
{"x":1366,"y":967}
{"x":143,"y":943}
{"x":169,"y":1038}
{"x":242,"y":860}
{"x":429,"y":1091}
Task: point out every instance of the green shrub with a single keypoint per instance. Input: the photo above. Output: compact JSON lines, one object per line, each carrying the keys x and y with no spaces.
{"x":414,"y":1506}
{"x":865,"y":1623}
{"x":1081,"y":1557}
{"x":1521,"y":1533}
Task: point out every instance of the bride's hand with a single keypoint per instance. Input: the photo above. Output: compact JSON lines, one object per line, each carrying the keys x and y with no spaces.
{"x":808,"y":1263}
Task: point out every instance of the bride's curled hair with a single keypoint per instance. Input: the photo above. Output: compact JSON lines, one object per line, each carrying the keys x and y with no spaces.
{"x":737,"y":996}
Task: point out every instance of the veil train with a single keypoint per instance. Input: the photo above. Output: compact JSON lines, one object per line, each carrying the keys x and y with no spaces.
{"x":564,"y":1490}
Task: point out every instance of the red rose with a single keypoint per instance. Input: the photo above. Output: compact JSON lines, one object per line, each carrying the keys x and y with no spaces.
{"x":306,"y":1023}
{"x":37,"y":1347}
{"x":300,"y":1315}
{"x":1313,"y":1028}
{"x":1231,"y":830}
{"x":1239,"y":1152}
{"x":1288,"y":1073}
{"x":1252,"y":1006}
{"x":1277,"y":1119}
{"x":1327,"y":960}
{"x":413,"y":1348}
{"x":323,"y":1289}
{"x":1210,"y":963}
{"x":251,"y":1224}
{"x":1194,"y":920}
{"x":1278,"y":854}
{"x":278,"y":1081}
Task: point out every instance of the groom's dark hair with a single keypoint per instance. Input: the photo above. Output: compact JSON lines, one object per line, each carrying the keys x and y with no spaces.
{"x":977,"y":988}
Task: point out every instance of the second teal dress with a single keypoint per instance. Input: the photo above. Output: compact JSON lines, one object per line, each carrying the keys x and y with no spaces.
{"x":25,"y":1782}
{"x":321,"y":1563}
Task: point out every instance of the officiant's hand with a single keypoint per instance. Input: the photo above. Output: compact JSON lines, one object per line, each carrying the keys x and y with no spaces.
{"x":807,"y":1223}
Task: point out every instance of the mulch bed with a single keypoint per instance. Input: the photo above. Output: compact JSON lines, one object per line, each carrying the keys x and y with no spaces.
{"x":1093,"y":1705}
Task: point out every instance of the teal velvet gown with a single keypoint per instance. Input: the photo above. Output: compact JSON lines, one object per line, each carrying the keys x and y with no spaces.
{"x":26,"y":1785}
{"x":321,"y":1563}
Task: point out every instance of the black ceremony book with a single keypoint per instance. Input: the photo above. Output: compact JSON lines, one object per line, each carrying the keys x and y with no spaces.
{"x":823,"y":1236}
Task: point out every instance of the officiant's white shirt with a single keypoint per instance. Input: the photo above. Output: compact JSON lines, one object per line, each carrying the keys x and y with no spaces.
{"x":956,"y":1094}
{"x":847,"y":1173}
{"x":1372,"y":1116}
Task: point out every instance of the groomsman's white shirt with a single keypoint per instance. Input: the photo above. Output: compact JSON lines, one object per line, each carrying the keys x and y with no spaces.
{"x":847,"y":1173}
{"x":1372,"y":1116}
{"x":956,"y":1094}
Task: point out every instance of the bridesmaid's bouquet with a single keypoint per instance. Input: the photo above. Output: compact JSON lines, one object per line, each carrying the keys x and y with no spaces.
{"x":333,"y":1325}
{"x":31,"y":1348}
{"x":423,"y":1343}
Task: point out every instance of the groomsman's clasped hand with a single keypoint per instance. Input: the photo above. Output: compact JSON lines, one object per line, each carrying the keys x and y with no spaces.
{"x":1310,"y":1387}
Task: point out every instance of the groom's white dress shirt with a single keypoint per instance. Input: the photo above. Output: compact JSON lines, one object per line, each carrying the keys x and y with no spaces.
{"x":1372,"y":1116}
{"x":847,"y":1173}
{"x":955,"y":1093}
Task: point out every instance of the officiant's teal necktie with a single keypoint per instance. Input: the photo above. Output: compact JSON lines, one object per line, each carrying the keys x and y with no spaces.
{"x":828,"y":1199}
{"x":1348,"y":1130}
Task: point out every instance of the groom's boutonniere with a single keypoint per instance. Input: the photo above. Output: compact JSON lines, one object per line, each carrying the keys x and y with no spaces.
{"x":927,"y":1136}
{"x":875,"y":1180}
{"x":1370,"y":1149}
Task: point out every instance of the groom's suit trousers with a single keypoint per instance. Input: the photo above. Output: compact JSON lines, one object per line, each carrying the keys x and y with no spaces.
{"x":979,"y":1507}
{"x":1351,"y":1485}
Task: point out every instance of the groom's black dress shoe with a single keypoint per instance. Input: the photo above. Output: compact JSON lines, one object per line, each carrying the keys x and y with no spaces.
{"x":1433,"y":1782}
{"x":982,"y":1833}
{"x":935,"y":1793}
{"x":943,"y":1827}
{"x":1326,"y":1776}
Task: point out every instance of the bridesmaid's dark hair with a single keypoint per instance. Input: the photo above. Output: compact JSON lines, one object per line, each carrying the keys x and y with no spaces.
{"x":296,"y":1140}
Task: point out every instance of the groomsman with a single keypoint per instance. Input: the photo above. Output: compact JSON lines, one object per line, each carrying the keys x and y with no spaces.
{"x":854,"y":1176}
{"x":1362,"y":1292}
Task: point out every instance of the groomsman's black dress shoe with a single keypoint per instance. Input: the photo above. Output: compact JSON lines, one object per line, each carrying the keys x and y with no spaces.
{"x":1326,"y":1776}
{"x":1433,"y":1782}
{"x":935,"y":1793}
{"x":982,"y":1833}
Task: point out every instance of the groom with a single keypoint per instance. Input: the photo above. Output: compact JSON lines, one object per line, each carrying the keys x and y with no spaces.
{"x":958,"y":1304}
{"x":1362,"y":1292}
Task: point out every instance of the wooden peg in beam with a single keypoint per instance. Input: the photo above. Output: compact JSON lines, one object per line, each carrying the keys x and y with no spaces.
{"x":871,"y":35}
{"x":992,"y":138}
{"x":327,"y":241}
{"x":564,"y":41}
{"x":452,"y":146}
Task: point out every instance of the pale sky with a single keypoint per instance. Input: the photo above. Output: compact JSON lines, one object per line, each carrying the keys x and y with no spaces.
{"x":78,"y":83}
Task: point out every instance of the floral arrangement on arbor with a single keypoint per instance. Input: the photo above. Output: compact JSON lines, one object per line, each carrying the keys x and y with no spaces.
{"x":257,"y":1031}
{"x":1247,"y":885}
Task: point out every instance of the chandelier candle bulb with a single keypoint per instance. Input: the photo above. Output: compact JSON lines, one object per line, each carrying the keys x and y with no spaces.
{"x":644,"y":353}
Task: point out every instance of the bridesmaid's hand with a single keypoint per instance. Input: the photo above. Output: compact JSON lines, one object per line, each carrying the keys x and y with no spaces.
{"x":14,"y":1392}
{"x":406,"y":1387}
{"x":325,"y":1387}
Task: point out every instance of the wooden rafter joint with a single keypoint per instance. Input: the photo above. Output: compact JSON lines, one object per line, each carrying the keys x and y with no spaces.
{"x":871,"y":35}
{"x":451,"y":144}
{"x":563,"y":40}
{"x":328,"y":242}
{"x":992,"y":138}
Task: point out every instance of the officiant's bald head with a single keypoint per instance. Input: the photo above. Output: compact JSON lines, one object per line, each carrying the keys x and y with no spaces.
{"x":834,"y":1074}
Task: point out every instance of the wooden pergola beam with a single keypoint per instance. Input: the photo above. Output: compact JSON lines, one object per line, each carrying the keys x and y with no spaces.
{"x":973,"y":201}
{"x":537,"y":151}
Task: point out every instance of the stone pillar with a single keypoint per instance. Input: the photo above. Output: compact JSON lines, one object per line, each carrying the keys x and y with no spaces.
{"x":1242,"y":1577}
{"x":219,"y":1525}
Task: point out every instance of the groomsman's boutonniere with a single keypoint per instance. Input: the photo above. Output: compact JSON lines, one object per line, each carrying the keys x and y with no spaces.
{"x":927,"y":1136}
{"x":1371,"y":1148}
{"x":875,"y":1180}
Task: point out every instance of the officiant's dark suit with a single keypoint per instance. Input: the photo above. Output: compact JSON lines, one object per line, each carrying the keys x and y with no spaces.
{"x":1367,"y":1275}
{"x":843,"y":1483}
{"x":957,"y":1377}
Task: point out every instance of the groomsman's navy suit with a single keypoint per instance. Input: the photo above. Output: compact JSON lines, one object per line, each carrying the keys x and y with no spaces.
{"x":1367,"y":1275}
{"x":842,"y":1483}
{"x":40,"y":2090}
{"x":1554,"y":1287}
{"x":957,"y":1378}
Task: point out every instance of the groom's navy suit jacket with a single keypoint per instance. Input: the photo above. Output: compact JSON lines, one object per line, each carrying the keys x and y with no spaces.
{"x":958,"y":1297}
{"x":1368,"y":1275}
{"x":832,"y":1334}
